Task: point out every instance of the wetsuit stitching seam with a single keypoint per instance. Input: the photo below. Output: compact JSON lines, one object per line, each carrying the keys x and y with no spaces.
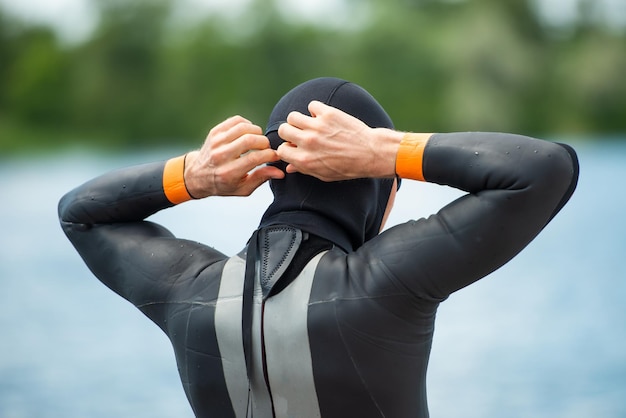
{"x":334,"y":91}
{"x":191,"y":401}
{"x":354,"y":365}
{"x":180,"y":302}
{"x":284,"y":256}
{"x":337,"y":299}
{"x":193,"y":350}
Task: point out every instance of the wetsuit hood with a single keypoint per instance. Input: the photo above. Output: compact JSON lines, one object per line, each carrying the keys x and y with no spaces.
{"x":347,"y":213}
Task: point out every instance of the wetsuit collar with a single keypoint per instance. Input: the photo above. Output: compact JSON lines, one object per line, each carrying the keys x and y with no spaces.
{"x":314,"y":223}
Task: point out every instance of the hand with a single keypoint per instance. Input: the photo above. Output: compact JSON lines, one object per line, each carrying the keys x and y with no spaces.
{"x":224,"y":164}
{"x":333,"y":145}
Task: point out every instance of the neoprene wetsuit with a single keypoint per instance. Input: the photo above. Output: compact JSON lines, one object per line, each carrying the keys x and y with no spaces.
{"x":324,"y":330}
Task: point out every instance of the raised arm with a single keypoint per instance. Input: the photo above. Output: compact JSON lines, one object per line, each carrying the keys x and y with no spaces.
{"x":514,"y":184}
{"x":141,"y":261}
{"x":137,"y":259}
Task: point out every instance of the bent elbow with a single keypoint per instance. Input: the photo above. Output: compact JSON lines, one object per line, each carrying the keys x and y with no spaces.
{"x":556,"y":175}
{"x":64,"y":207}
{"x":569,"y":170}
{"x":563,"y":167}
{"x":68,"y":211}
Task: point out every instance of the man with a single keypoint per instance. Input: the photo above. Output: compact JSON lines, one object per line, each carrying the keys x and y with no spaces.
{"x":320,"y":315}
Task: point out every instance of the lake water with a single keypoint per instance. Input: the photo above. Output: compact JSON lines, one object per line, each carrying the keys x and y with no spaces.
{"x":545,"y":336}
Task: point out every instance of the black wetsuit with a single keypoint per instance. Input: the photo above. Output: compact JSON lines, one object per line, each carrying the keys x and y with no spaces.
{"x":348,"y":332}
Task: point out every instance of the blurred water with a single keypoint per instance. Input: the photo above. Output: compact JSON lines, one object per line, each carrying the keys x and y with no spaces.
{"x":545,"y":336}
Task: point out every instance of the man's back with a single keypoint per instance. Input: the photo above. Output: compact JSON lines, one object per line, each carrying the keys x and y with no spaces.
{"x":313,"y":336}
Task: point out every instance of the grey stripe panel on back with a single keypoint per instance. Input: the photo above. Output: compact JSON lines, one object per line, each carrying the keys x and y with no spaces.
{"x":288,"y":353}
{"x":228,"y":331}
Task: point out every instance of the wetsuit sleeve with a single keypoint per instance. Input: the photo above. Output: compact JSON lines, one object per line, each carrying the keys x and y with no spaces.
{"x":515,"y":185}
{"x":140,"y":260}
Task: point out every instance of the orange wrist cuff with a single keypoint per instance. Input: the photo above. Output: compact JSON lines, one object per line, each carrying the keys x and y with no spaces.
{"x":174,"y":181}
{"x":410,"y":156}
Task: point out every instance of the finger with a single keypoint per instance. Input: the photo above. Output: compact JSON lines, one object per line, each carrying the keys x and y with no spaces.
{"x":262,"y":174}
{"x":217,"y":154}
{"x":235,"y":120}
{"x":229,"y":123}
{"x":243,"y":128}
{"x":316,"y":108}
{"x":287,"y":152}
{"x":299,"y":120}
{"x":231,"y":129}
{"x":290,"y":169}
{"x":247,"y":143}
{"x":253,"y":179}
{"x":289,"y":133}
{"x":253,"y":160}
{"x":236,"y":132}
{"x":257,"y":178}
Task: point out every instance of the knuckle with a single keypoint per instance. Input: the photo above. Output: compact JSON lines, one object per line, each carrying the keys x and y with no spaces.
{"x":237,"y":130}
{"x":250,"y":141}
{"x":308,"y":139}
{"x":217,"y":157}
{"x":210,"y":137}
{"x":252,"y":158}
{"x":237,"y":119}
{"x":214,"y":138}
{"x":303,"y":164}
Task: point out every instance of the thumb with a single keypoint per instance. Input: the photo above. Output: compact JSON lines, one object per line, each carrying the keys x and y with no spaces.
{"x":260,"y":176}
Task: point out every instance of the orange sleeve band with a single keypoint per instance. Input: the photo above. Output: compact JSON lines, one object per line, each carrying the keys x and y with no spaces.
{"x":174,"y":181}
{"x":410,"y":156}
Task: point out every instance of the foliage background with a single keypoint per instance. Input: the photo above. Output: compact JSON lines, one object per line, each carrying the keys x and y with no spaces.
{"x":146,"y":77}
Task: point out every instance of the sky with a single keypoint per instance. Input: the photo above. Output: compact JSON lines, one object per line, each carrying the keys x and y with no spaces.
{"x":74,"y":19}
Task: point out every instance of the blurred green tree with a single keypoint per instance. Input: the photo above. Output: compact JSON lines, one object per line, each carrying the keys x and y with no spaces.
{"x":116,"y":73}
{"x":36,"y":78}
{"x":146,"y":77}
